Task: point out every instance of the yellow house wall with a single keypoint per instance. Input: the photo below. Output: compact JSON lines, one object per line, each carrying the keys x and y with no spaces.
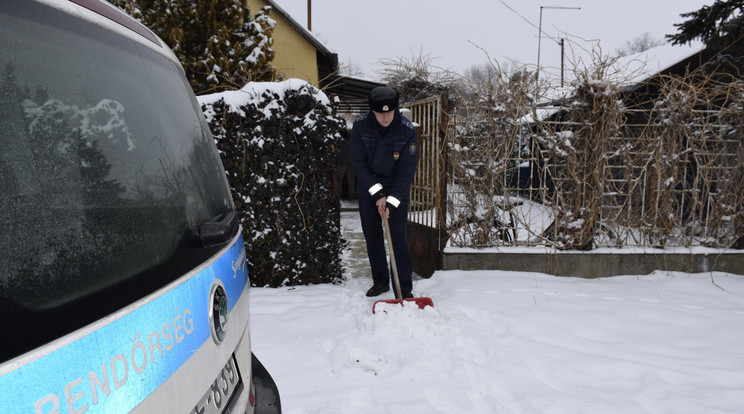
{"x":294,"y":56}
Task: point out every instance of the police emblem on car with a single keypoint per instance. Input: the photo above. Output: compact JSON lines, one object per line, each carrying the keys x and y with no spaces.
{"x":218,"y":311}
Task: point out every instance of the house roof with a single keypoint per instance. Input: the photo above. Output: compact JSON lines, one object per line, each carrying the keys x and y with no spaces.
{"x":641,"y":67}
{"x":353,"y":93}
{"x":319,"y":46}
{"x":351,"y":87}
{"x":630,"y":72}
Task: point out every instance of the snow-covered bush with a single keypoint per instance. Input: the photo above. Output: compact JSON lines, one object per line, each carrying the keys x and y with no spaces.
{"x":278,"y":143}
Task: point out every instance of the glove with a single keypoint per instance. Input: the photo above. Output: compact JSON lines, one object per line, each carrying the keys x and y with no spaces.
{"x":391,"y":204}
{"x":390,"y":207}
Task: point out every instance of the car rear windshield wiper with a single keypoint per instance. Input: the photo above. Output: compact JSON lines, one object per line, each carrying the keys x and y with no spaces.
{"x":219,"y":231}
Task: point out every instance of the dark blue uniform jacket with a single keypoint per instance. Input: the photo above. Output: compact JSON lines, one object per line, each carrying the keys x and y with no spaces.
{"x":388,"y":159}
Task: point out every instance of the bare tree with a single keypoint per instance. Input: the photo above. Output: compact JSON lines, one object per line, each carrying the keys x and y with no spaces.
{"x":640,"y":44}
{"x":351,"y":68}
{"x":416,"y":77}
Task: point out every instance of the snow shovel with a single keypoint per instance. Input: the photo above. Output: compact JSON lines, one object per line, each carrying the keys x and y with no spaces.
{"x":420,"y":302}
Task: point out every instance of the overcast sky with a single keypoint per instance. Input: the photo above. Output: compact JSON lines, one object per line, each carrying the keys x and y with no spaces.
{"x":463,"y":33}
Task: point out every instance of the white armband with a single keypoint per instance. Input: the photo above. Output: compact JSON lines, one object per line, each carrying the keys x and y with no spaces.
{"x":375,"y":188}
{"x":393,"y":201}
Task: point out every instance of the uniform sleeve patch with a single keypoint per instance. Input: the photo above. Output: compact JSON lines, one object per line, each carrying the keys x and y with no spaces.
{"x":412,"y":149}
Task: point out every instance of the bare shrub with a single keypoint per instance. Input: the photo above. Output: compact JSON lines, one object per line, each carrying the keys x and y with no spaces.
{"x":657,"y":169}
{"x":579,"y":150}
{"x":483,"y":155}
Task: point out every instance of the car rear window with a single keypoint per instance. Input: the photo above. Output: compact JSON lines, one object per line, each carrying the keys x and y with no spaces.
{"x":107,"y":170}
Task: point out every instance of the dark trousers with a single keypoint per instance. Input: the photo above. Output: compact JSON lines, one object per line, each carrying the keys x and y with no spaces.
{"x":373,"y":233}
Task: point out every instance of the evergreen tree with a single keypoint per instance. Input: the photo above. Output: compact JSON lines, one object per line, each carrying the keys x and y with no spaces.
{"x":721,"y":27}
{"x":718,"y":25}
{"x":218,"y":43}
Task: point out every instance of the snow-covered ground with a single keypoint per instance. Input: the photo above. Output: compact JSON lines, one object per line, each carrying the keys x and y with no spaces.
{"x":508,"y":342}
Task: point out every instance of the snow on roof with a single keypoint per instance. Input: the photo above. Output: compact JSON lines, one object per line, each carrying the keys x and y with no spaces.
{"x":540,"y":114}
{"x":298,"y":27}
{"x":627,"y":72}
{"x":632,"y":69}
{"x":641,"y":66}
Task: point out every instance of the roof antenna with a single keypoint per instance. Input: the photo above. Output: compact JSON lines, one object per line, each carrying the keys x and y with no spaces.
{"x":310,"y":15}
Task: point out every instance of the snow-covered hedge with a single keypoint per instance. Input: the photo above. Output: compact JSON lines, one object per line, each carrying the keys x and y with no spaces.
{"x":278,"y":143}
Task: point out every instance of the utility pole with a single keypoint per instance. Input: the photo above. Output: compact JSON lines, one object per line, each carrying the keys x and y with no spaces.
{"x":309,"y":15}
{"x":539,"y":38}
{"x":562,"y":54}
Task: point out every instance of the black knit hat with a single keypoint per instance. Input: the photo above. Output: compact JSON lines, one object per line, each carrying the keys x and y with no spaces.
{"x":383,"y":99}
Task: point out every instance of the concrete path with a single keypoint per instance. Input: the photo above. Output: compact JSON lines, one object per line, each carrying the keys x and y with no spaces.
{"x":355,"y":261}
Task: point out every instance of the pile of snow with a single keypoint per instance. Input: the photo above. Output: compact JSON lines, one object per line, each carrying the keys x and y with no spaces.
{"x":508,"y":342}
{"x":253,"y":92}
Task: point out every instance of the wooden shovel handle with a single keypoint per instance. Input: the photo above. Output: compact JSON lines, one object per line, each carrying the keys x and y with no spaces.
{"x":396,"y":281}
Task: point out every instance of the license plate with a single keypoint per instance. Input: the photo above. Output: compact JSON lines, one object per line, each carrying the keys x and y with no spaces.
{"x":218,"y":395}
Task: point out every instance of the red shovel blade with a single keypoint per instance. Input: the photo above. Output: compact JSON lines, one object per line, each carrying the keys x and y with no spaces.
{"x":420,"y":302}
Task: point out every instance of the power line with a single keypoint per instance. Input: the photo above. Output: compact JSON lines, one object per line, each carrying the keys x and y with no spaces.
{"x":526,"y":20}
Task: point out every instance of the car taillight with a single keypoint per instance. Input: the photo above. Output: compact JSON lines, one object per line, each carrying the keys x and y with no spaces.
{"x":251,"y":395}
